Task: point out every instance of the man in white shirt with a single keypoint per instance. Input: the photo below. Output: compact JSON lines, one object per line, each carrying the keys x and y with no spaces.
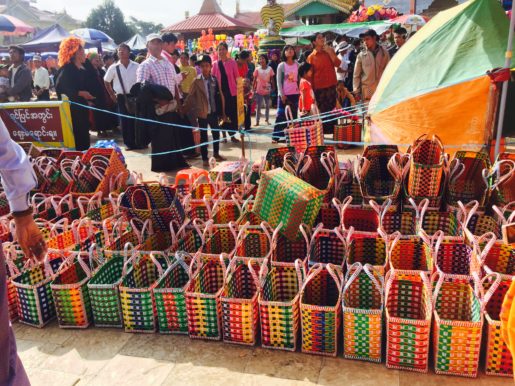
{"x":119,"y":79}
{"x":343,"y":69}
{"x":41,"y":80}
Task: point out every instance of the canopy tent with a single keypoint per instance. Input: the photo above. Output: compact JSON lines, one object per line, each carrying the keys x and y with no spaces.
{"x":137,"y":43}
{"x":49,"y":39}
{"x":437,"y":82}
{"x":350,"y":29}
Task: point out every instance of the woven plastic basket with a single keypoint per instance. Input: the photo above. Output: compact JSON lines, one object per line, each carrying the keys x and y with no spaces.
{"x":239,"y":302}
{"x":362,"y":304}
{"x":320,"y":309}
{"x":169,"y":296}
{"x":325,"y":246}
{"x":458,"y":325}
{"x":411,"y":254}
{"x":140,"y":276}
{"x":368,"y":251}
{"x":392,"y":220}
{"x":364,"y":221}
{"x":104,"y":288}
{"x":202,"y":295}
{"x":70,"y":291}
{"x":427,"y":166}
{"x":279,"y":305}
{"x":286,"y":252}
{"x":255,"y":242}
{"x":408,"y":320}
{"x":498,"y":358}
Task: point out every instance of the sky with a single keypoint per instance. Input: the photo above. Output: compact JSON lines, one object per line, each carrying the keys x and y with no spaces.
{"x":160,"y":11}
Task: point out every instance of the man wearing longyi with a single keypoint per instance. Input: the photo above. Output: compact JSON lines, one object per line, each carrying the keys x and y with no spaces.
{"x":18,"y":179}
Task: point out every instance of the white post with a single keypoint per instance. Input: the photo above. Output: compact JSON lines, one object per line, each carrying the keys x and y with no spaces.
{"x":504,"y":93}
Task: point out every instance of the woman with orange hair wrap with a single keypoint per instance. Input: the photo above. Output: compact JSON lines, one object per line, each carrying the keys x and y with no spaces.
{"x":71,"y":81}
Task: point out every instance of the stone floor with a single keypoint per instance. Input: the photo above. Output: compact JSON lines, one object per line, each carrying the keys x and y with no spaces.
{"x":58,"y":357}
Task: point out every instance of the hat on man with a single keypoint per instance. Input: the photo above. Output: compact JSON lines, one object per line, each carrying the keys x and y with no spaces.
{"x":369,"y":32}
{"x":36,"y":58}
{"x":343,"y":46}
{"x":153,"y":37}
{"x":204,"y":59}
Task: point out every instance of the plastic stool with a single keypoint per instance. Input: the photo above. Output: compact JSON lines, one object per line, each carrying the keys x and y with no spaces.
{"x":189,"y":176}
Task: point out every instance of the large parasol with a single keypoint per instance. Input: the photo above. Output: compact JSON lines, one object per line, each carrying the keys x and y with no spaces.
{"x":11,"y":26}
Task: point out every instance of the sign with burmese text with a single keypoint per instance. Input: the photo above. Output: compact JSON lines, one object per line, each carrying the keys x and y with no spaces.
{"x":46,"y":124}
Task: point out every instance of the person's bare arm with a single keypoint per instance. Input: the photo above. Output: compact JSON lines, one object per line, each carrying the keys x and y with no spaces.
{"x":110,"y":90}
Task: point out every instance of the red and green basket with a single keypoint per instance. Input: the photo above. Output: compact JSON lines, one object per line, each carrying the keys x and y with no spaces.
{"x":255,"y":242}
{"x":202,"y":296}
{"x":239,"y":302}
{"x":368,"y":251}
{"x":325,"y":246}
{"x":279,"y":305}
{"x":426,"y":167}
{"x":409,"y":254}
{"x":362,"y":304}
{"x":408,"y":320}
{"x":169,"y":296}
{"x":320,"y":309}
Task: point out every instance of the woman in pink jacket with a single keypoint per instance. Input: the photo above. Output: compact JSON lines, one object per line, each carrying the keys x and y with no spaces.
{"x":226,"y":71}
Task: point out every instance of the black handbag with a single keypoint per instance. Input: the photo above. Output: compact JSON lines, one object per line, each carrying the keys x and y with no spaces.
{"x":130,"y":101}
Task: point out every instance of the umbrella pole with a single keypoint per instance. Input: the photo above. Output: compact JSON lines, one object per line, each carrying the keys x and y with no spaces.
{"x":504,"y":93}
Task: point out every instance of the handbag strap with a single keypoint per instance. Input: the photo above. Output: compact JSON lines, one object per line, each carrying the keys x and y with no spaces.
{"x":120,"y":78}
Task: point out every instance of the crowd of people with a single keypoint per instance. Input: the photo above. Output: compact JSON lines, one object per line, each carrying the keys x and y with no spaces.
{"x":183,"y":91}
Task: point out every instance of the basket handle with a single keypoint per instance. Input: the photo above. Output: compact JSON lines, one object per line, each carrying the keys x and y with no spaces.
{"x":197,"y":262}
{"x":328,"y":162}
{"x":153,"y":257}
{"x":420,"y":210}
{"x":128,"y":248}
{"x":255,"y":275}
{"x":116,"y":201}
{"x":94,"y":255}
{"x":466,"y":212}
{"x":66,"y":261}
{"x":490,"y":239}
{"x":87,"y":270}
{"x":179,"y":259}
{"x":289,"y":164}
{"x":63,"y":224}
{"x":288,"y":114}
{"x":501,"y":213}
{"x":337,"y":275}
{"x":395,"y":166}
{"x":502,"y":178}
{"x":361,"y":168}
{"x":145,"y":194}
{"x":10,"y":250}
{"x":480,"y":285}
{"x":354,"y":271}
{"x":394,"y":240}
{"x":314,"y":271}
{"x":146,"y":227}
{"x":116,"y":182}
{"x":299,"y":268}
{"x":180,"y":229}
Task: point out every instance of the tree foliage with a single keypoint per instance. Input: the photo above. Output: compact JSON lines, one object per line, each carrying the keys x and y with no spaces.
{"x":108,"y":18}
{"x":144,"y":27}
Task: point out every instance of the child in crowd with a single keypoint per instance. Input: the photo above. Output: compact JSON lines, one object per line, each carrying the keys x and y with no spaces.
{"x":263,"y":76}
{"x":307,"y":97}
{"x":207,"y":100}
{"x":344,"y":98}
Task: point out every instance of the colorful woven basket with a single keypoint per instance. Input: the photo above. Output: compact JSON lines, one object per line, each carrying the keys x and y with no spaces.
{"x":255,"y":242}
{"x":346,"y":184}
{"x":503,"y":175}
{"x":498,"y":358}
{"x":284,"y":198}
{"x":104,"y":288}
{"x":152,"y":201}
{"x":275,"y":157}
{"x":239,"y":302}
{"x":363,"y":221}
{"x":347,"y":130}
{"x":453,"y":258}
{"x":362,"y":304}
{"x":202,"y":295}
{"x":379,"y":172}
{"x":320,"y":309}
{"x":287,"y":252}
{"x":303,"y":134}
{"x":368,"y":251}
{"x":458,"y":326}
{"x":138,"y":306}
{"x":408,"y":320}
{"x":70,"y":291}
{"x":409,"y":255}
{"x":169,"y":296}
{"x":325,"y":246}
{"x":467,"y":181}
{"x":279,"y":305}
{"x":426,"y":167}
{"x":36,"y":305}
{"x":218,"y":239}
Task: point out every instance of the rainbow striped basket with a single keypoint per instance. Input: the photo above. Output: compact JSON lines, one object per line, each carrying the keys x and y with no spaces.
{"x":408,"y":320}
{"x":169,"y":296}
{"x":202,"y":295}
{"x":70,"y":292}
{"x":458,"y":324}
{"x":138,"y":306}
{"x":279,"y":305}
{"x":320,"y":308}
{"x":239,"y":302}
{"x":362,"y":304}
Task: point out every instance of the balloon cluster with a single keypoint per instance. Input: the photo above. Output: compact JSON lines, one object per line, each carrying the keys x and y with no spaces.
{"x":372,"y":13}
